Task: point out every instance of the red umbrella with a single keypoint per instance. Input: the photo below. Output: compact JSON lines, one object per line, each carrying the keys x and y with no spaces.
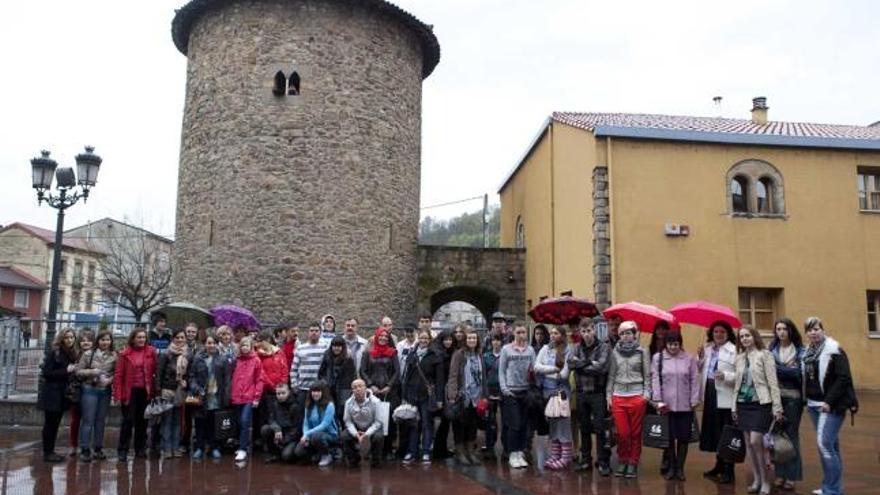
{"x":562,"y":310}
{"x":704,"y":313}
{"x":645,"y":315}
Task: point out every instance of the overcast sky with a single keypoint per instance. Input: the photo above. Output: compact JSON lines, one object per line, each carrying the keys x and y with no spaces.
{"x":105,"y":72}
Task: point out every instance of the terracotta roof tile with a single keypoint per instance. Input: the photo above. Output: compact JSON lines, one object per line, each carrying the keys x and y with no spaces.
{"x":49,"y":237}
{"x":13,"y":277}
{"x":590,"y":121}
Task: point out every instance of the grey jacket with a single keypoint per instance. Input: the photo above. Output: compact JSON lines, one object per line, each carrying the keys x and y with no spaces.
{"x":590,"y":366}
{"x":97,"y":371}
{"x":361,"y":416}
{"x":514,"y":367}
{"x":629,"y":375}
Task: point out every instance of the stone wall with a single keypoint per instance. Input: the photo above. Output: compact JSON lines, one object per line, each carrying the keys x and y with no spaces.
{"x":601,"y":239}
{"x":297,"y":206}
{"x":490,"y":279}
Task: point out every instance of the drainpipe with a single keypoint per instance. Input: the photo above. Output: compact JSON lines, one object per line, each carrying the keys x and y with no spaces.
{"x":552,"y":215}
{"x":611,"y":216}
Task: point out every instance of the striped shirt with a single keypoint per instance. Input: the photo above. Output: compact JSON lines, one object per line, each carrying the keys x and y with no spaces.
{"x":306,"y":364}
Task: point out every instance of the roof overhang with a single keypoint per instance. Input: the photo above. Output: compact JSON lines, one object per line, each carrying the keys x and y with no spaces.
{"x":534,"y":144}
{"x":746,"y":139}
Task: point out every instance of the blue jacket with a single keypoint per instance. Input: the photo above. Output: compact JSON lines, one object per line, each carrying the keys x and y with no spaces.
{"x":314,"y":422}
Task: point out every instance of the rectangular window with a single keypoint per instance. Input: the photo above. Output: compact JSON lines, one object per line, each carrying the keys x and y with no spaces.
{"x":90,"y":299}
{"x":92,"y":269}
{"x":63,"y":271}
{"x":74,"y":301}
{"x":60,"y":300}
{"x":874,"y":313}
{"x":21,"y":298}
{"x":760,"y":307}
{"x":869,"y":189}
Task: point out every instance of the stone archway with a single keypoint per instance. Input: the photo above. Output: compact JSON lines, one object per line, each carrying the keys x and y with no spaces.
{"x":485,"y":300}
{"x":490,"y":279}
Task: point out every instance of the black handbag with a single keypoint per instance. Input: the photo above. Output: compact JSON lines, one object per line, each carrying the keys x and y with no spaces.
{"x":655,"y":431}
{"x":454,"y":409}
{"x":225,"y":425}
{"x":732,"y":445}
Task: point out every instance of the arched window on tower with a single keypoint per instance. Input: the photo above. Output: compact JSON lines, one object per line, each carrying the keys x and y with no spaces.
{"x":293,"y":86}
{"x":739,"y":194}
{"x":279,"y":87}
{"x":520,"y":233}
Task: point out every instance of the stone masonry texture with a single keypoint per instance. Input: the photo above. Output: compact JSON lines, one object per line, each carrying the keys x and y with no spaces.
{"x":297,"y":206}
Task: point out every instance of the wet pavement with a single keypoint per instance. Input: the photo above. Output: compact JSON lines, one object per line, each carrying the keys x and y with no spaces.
{"x":23,"y":472}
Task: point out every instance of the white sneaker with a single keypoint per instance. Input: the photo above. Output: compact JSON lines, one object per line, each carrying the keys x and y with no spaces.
{"x":512,"y":460}
{"x":817,"y":491}
{"x":523,"y":463}
{"x":325,"y":461}
{"x":240,"y":455}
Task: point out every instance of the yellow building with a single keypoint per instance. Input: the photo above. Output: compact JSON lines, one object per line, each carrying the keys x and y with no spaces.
{"x":773,"y":218}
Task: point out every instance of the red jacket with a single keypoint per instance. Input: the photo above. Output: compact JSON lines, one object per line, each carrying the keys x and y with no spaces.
{"x":247,"y":379}
{"x":123,"y":375}
{"x":275,"y":369}
{"x":289,"y":347}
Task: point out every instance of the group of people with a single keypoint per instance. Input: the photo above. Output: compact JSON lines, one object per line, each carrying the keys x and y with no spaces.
{"x":339,"y":395}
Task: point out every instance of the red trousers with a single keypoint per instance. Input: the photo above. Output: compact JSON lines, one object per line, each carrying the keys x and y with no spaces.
{"x":628,"y":413}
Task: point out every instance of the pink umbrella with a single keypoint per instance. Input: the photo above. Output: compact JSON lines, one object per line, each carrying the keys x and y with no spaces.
{"x":645,"y":315}
{"x":704,"y":313}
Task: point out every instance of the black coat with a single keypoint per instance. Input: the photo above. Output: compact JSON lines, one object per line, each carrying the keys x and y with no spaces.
{"x":382,"y":372}
{"x":415,"y":389}
{"x":198,"y":376}
{"x":338,"y":374}
{"x":54,"y":379}
{"x":840,"y":395}
{"x":286,"y":417}
{"x":166,"y":372}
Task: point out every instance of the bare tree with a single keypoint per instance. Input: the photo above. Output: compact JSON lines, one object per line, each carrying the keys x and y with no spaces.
{"x":135,"y":273}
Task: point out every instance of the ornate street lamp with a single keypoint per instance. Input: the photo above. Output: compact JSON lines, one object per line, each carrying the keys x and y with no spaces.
{"x":43,"y":170}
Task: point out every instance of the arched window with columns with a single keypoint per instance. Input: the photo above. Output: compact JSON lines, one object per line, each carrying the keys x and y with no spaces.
{"x":755,"y":188}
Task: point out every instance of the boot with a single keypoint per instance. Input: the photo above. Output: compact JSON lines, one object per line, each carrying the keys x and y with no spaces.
{"x":669,"y":459}
{"x":554,"y":453}
{"x":726,"y":477}
{"x":680,"y":458}
{"x":715,"y":471}
{"x":473,"y":453}
{"x":461,"y":455}
{"x":565,"y":458}
{"x":666,"y":462}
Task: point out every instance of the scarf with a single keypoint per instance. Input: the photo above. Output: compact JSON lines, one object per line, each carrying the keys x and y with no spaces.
{"x":180,"y":365}
{"x":811,"y":355}
{"x":378,"y":350}
{"x":421,"y":352}
{"x":627,"y":350}
{"x":473,"y":378}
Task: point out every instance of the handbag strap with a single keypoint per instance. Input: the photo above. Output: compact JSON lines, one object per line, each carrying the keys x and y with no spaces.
{"x":428,"y":385}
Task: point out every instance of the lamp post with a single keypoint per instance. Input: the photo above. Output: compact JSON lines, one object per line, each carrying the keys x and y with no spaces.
{"x":44,"y":169}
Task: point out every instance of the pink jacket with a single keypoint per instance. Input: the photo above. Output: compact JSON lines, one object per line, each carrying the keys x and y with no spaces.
{"x":247,"y":383}
{"x":681,"y":382}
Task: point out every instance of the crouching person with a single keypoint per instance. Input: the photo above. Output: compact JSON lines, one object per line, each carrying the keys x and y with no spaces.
{"x":282,"y":429}
{"x":361,"y":425}
{"x":319,"y":426}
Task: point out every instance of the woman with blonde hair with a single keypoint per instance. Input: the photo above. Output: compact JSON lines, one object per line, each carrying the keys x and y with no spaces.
{"x":57,"y":369}
{"x":757,"y":402}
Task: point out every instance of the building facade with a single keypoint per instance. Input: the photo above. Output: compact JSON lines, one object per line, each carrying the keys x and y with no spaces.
{"x":770,"y":218}
{"x":21,"y":293}
{"x":30,"y":249}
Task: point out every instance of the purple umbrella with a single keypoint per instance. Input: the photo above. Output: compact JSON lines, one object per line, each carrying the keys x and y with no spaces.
{"x":235,"y":317}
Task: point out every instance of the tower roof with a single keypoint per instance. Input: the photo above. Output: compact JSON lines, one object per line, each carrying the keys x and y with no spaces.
{"x":184,"y":18}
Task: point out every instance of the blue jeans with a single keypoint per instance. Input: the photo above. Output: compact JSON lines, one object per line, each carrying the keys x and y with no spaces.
{"x":171,"y":429}
{"x":245,"y":415}
{"x":827,"y":431}
{"x":93,"y":407}
{"x":425,"y":427}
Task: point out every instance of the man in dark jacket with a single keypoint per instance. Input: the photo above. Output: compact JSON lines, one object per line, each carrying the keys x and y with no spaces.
{"x":590,"y":363}
{"x":283,"y":427}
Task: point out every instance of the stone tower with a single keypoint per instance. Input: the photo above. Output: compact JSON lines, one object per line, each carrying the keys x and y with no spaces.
{"x":299,"y":195}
